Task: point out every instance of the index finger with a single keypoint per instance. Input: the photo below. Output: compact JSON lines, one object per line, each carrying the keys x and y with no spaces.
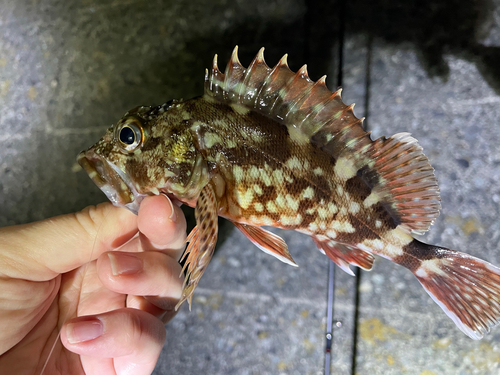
{"x":162,"y":225}
{"x":40,"y":251}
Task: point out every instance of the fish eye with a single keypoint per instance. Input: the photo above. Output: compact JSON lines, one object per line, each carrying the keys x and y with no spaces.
{"x":129,"y":136}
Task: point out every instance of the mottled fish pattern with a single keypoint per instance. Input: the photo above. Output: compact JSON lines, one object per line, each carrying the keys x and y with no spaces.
{"x":265,"y":146}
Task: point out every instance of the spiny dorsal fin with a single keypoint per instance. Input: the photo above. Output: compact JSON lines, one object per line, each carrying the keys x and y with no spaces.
{"x":288,"y":97}
{"x":396,"y":169}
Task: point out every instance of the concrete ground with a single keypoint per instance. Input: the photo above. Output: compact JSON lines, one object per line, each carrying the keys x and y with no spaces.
{"x":68,"y":69}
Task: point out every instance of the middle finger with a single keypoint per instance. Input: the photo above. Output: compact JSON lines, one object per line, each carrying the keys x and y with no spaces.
{"x":150,"y":273}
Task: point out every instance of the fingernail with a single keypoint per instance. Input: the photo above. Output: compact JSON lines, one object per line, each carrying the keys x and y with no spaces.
{"x":84,"y":330}
{"x":173,"y":215}
{"x":124,"y":264}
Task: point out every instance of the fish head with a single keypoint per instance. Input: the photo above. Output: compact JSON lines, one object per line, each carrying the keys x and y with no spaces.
{"x":144,"y":153}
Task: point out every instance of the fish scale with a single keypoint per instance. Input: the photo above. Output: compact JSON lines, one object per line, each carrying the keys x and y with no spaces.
{"x":265,"y":146}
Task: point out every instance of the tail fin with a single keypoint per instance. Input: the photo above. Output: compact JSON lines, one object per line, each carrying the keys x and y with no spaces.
{"x":465,"y":287}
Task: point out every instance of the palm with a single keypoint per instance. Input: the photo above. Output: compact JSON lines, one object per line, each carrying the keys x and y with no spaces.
{"x":81,"y":293}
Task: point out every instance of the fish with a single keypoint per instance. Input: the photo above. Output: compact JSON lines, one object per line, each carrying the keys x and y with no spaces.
{"x":266,"y":146}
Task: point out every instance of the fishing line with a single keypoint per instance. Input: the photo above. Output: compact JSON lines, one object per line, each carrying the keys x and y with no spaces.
{"x":86,"y":265}
{"x":331,"y":268}
{"x":357,"y":299}
{"x":329,"y":319}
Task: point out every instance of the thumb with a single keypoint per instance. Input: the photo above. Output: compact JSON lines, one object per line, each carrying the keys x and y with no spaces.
{"x":40,"y":251}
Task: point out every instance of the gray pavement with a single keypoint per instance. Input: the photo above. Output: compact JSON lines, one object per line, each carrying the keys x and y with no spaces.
{"x":69,"y":69}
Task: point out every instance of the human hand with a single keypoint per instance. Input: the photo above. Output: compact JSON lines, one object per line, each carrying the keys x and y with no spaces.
{"x":64,"y":275}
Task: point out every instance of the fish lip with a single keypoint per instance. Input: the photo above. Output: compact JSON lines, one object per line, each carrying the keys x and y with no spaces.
{"x":108,"y":178}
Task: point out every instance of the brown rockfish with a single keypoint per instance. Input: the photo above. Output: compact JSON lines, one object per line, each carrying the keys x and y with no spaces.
{"x":269,"y":147}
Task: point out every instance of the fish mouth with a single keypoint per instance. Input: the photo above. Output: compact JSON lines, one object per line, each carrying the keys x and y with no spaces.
{"x":111,"y":180}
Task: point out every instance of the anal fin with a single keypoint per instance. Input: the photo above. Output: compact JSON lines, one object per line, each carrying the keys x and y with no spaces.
{"x":268,"y":242}
{"x":344,"y":255}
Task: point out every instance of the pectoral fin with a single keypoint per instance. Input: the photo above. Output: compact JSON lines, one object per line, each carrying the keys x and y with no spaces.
{"x":202,"y":241}
{"x":268,"y":242}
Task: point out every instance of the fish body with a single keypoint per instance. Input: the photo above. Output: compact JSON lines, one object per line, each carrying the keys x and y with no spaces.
{"x":268,"y":147}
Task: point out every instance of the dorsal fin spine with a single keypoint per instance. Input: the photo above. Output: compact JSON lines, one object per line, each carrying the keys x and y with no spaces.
{"x":303,"y":72}
{"x":251,"y":96}
{"x":349,"y":110}
{"x":319,"y":85}
{"x":214,"y":64}
{"x":215,"y":78}
{"x":232,"y":76}
{"x":297,"y":89}
{"x":260,"y":55}
{"x":276,"y":82}
{"x":334,"y":101}
{"x":327,"y":105}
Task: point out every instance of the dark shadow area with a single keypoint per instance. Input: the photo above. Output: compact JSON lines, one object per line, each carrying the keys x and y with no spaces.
{"x":435,"y":28}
